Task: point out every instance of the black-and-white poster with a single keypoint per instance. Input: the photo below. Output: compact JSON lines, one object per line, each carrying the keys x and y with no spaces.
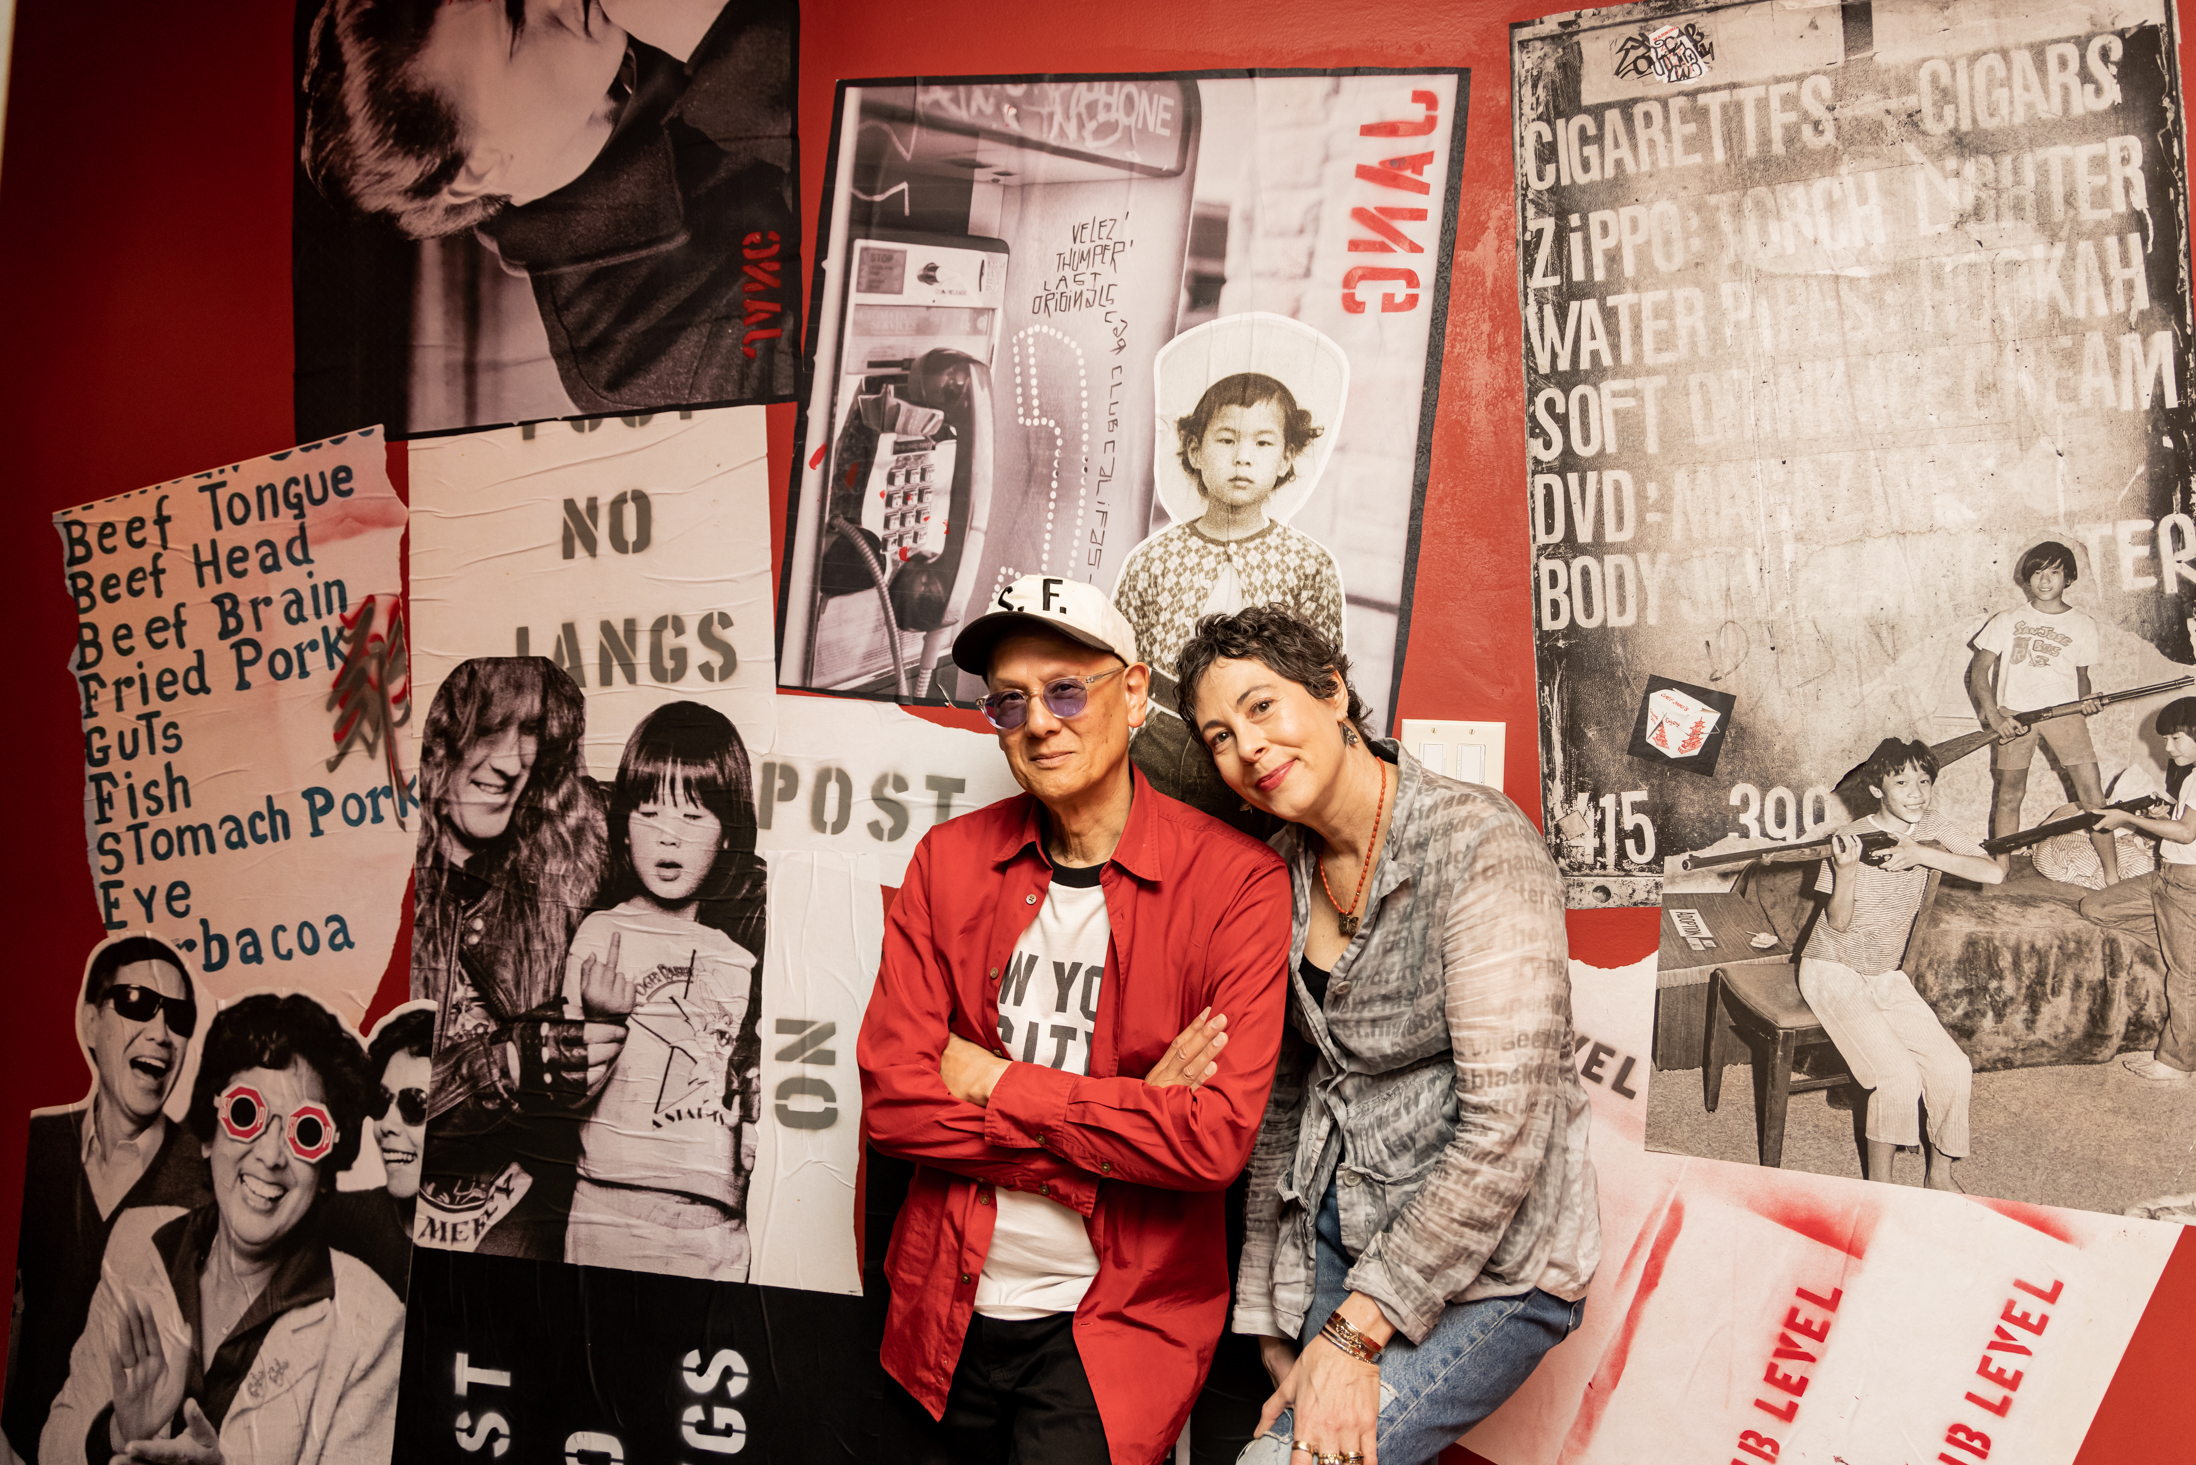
{"x":1832,"y":316}
{"x":240,"y":1171}
{"x":1175,"y":336}
{"x":649,"y":891}
{"x":516,"y":1360}
{"x":506,"y":213}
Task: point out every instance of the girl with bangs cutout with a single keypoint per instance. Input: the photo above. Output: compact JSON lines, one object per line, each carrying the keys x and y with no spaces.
{"x":666,"y":1154}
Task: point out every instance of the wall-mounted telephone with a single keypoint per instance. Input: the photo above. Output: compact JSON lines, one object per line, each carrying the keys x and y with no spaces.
{"x":908,"y":489}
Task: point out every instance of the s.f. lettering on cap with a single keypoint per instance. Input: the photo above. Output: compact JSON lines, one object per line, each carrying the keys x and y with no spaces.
{"x":1074,"y":608}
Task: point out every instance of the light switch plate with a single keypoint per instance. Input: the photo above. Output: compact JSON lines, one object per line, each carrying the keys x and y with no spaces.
{"x":1471,"y":751}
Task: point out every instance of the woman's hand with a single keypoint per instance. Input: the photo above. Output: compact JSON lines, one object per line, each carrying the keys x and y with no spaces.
{"x":199,"y":1444}
{"x":1279,"y":1357}
{"x":1190,"y":1058}
{"x":1336,"y":1399}
{"x":968,"y":1071}
{"x":146,"y":1391}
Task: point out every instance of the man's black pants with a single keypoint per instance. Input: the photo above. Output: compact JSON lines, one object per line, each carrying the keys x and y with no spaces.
{"x":1019,"y":1397}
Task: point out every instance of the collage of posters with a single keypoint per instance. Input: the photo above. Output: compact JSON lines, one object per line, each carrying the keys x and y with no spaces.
{"x":494,"y":805}
{"x":1043,"y":305}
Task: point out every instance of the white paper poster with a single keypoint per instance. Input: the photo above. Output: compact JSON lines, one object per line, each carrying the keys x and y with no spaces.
{"x":242,"y":681}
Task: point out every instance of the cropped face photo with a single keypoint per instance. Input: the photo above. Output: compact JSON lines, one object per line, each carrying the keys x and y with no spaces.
{"x":489,"y":782}
{"x":1242,"y":455}
{"x":136,"y":1047}
{"x":267,"y":1122}
{"x":401,"y":1130}
{"x":675,"y":840}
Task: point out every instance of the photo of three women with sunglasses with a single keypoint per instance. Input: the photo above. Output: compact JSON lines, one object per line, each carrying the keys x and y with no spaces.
{"x":216,"y":1277}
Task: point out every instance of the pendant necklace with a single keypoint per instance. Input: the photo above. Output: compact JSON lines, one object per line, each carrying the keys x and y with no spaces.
{"x":1348,"y":921}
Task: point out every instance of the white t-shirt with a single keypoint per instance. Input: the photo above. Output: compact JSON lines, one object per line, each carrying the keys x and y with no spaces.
{"x":2038,"y":654}
{"x":2172,"y":851}
{"x":661,"y":1121}
{"x":1041,"y":1261}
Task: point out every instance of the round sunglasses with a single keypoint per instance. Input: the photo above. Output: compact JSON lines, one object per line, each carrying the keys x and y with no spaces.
{"x":245,"y":1116}
{"x":140,"y":1004}
{"x":1064,"y":698}
{"x":411,"y":1105}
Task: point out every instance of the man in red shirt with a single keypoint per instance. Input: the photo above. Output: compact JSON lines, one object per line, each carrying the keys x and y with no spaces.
{"x":1059,"y":1270}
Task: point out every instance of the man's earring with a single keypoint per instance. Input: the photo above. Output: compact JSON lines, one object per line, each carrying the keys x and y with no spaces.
{"x":1349,"y":736}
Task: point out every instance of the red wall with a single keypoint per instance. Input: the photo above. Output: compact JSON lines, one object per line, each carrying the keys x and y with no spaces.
{"x":145,"y":333}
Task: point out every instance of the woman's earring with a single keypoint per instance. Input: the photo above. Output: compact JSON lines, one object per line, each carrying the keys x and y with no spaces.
{"x":1349,"y":736}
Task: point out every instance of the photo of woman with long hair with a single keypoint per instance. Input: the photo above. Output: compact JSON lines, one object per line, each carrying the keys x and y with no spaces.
{"x":511,"y":856}
{"x":667,"y":1151}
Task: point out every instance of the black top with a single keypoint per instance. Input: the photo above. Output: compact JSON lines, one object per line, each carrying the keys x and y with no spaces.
{"x":1079,"y":877}
{"x":63,"y":1240}
{"x":1314,"y":978}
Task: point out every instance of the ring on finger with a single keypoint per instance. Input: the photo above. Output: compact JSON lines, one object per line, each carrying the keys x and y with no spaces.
{"x":1307,"y":1449}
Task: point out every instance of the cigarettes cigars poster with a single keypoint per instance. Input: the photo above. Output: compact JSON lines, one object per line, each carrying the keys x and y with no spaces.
{"x":241,"y":673}
{"x":650,"y":905}
{"x":1753,"y":1314}
{"x":1036,"y":300}
{"x":1834,"y":315}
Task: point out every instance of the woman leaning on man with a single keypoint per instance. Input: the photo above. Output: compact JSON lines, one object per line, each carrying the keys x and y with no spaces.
{"x":1421,"y":1223}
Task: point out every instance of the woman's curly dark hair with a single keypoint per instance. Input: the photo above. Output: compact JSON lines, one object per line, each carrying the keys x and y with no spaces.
{"x":1277,"y":640}
{"x":1246,"y":389}
{"x":270,"y":1031}
{"x":411,"y":1033}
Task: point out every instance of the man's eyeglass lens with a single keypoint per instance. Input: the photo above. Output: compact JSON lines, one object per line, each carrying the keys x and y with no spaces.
{"x":411,"y":1105}
{"x":1064,"y":699}
{"x":138,"y":1004}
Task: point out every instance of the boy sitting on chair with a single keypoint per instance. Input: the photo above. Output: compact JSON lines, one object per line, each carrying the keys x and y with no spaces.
{"x":1849,"y":972}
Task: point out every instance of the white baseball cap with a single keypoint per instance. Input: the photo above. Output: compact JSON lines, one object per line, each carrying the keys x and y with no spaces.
{"x":1074,"y":608}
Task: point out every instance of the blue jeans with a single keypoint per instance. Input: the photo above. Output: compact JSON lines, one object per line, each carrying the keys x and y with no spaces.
{"x":1475,"y":1357}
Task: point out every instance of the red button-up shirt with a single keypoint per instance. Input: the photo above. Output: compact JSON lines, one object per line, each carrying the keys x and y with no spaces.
{"x":1200,"y":917}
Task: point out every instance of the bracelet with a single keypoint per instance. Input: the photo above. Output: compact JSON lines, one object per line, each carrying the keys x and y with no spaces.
{"x":1342,"y":1335}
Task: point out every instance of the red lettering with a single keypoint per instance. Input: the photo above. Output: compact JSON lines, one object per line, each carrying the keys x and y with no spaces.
{"x":1791,"y":1407}
{"x":2006,"y":1344}
{"x":1389,"y":304}
{"x":2023,"y":1321}
{"x":1974,"y":1441}
{"x":1399,"y":173}
{"x":1416,"y":127}
{"x":1998,"y":1408}
{"x":760,"y":246}
{"x":2034,"y":1291}
{"x":1827,"y":1304}
{"x":1806,"y":1326}
{"x":2003,"y":1381}
{"x":1791,"y":1349}
{"x":1793,"y":1384}
{"x":1754,"y":1442}
{"x":1391,"y":238}
{"x":747,"y":342}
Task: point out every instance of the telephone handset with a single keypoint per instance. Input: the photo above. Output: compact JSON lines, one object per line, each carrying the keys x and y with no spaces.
{"x":911,"y":475}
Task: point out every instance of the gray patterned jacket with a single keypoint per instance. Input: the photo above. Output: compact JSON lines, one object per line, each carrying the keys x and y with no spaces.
{"x":1436,"y":1085}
